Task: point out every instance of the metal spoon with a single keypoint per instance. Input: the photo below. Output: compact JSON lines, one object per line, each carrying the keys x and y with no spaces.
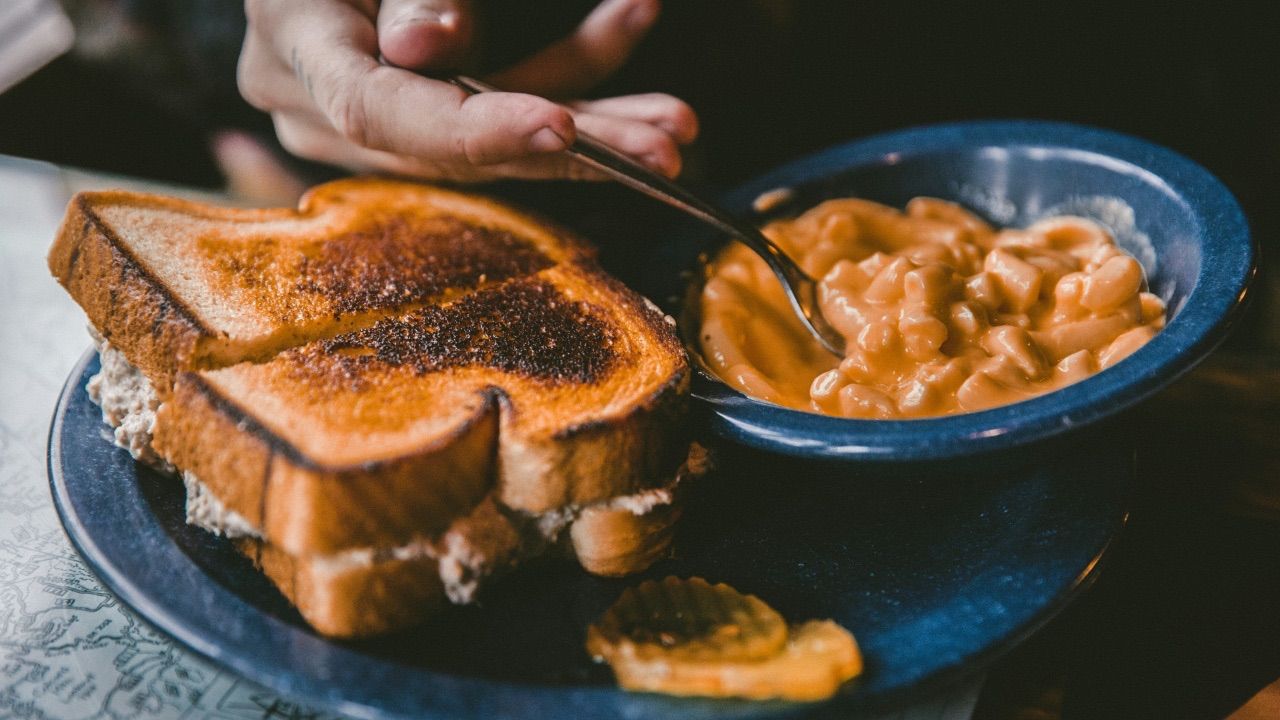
{"x":801,"y":289}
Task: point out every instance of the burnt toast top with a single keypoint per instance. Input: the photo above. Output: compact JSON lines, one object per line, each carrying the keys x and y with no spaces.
{"x":564,"y":350}
{"x":525,"y":327}
{"x":354,"y":251}
{"x":364,"y":325}
{"x":380,"y":262}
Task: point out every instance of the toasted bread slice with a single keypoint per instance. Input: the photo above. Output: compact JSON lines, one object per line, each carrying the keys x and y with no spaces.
{"x":564,"y":386}
{"x":351,"y":597}
{"x":179,"y":285}
{"x":436,"y":471}
{"x":361,"y":380}
{"x":362,"y":592}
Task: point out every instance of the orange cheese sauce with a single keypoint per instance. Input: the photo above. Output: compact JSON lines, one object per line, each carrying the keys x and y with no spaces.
{"x":942,"y":313}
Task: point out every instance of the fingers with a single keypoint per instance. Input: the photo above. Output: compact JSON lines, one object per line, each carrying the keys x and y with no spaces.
{"x":266,"y":82}
{"x":642,"y":141}
{"x":599,"y":46}
{"x":418,"y":34}
{"x":672,"y":115}
{"x":319,"y":141}
{"x":253,"y":171}
{"x":314,"y":67}
{"x":331,"y":47}
{"x":311,"y":136}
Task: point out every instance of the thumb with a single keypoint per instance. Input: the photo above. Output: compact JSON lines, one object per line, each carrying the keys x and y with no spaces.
{"x":421,"y":34}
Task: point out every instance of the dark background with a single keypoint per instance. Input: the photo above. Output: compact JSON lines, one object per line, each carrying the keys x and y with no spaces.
{"x":769,"y":79}
{"x":1186,"y":621}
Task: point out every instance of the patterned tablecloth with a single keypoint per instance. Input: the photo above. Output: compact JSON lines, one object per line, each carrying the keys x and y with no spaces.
{"x":67,"y":648}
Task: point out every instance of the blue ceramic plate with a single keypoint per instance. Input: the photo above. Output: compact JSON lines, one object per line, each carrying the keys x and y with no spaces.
{"x":1170,"y":213}
{"x":935,"y":578}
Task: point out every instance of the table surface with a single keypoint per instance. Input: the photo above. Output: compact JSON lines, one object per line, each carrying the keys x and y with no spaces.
{"x":67,"y":648}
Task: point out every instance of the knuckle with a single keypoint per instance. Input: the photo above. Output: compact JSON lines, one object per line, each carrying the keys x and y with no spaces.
{"x":346,"y":112}
{"x":465,"y":148}
{"x":364,"y":108}
{"x":491,"y":127}
{"x":532,"y":107}
{"x":480,"y":149}
{"x":466,"y":145}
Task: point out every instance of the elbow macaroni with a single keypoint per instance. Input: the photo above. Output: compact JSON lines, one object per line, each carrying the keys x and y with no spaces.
{"x":941,"y":312}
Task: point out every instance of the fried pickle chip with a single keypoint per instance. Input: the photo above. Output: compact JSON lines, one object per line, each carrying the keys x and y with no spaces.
{"x":653,"y":649}
{"x":687,"y":620}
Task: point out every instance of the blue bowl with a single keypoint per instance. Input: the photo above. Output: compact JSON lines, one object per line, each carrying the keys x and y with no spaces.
{"x":1170,"y":213}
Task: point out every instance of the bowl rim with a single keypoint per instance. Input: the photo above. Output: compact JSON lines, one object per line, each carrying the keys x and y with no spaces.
{"x":1208,"y":312}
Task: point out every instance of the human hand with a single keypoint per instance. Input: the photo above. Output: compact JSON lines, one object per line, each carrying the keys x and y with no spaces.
{"x":315,"y":67}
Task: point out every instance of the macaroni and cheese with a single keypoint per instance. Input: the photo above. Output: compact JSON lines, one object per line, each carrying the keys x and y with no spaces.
{"x":942,"y":312}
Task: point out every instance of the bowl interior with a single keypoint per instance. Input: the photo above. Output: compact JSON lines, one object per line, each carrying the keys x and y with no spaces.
{"x":1014,"y":187}
{"x":1170,"y":214}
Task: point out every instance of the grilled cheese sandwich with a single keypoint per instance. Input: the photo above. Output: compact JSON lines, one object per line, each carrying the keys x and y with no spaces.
{"x":388,"y":396}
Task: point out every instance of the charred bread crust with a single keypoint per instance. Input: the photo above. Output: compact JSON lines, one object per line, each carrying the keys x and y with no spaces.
{"x":577,"y":247}
{"x":661,"y":325}
{"x":131,"y":306}
{"x":125,"y":303}
{"x":596,"y":460}
{"x":609,"y":456}
{"x":309,"y":508}
{"x":351,"y":600}
{"x":306,"y":508}
{"x":638,"y":444}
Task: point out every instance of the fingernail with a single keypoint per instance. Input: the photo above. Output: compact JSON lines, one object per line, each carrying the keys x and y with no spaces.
{"x":447,"y":19}
{"x":546,"y":140}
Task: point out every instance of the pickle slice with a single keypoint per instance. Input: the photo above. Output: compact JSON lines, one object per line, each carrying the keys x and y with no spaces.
{"x":818,"y":657}
{"x":688,"y":637}
{"x":690,"y":620}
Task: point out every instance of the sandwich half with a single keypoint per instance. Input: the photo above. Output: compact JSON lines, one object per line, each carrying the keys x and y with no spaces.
{"x":388,"y":396}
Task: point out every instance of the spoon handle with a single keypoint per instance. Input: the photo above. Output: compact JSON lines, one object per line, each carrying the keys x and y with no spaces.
{"x":800,"y":288}
{"x":597,"y":154}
